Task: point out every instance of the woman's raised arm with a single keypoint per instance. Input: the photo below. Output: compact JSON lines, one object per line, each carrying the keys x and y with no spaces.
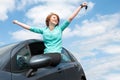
{"x":77,"y":11}
{"x":21,"y":24}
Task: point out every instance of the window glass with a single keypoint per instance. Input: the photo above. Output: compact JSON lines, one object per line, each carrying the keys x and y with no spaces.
{"x":65,"y":56}
{"x":23,"y":57}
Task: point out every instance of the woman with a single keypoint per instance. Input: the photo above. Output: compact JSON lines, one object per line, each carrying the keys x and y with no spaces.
{"x":52,"y":34}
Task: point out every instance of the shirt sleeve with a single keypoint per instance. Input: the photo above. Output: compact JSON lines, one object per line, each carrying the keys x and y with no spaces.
{"x":64,"y":24}
{"x":36,"y":30}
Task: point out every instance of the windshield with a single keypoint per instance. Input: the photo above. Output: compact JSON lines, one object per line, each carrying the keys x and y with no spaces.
{"x":4,"y":53}
{"x":5,"y":49}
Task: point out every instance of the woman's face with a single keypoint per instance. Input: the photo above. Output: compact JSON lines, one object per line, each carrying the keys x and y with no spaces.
{"x":54,"y":19}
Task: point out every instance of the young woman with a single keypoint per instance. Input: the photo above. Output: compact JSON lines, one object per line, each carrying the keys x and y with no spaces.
{"x":52,"y":34}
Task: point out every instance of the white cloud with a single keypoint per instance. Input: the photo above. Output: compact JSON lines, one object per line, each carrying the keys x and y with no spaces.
{"x":68,"y":33}
{"x":63,"y":8}
{"x":99,"y":25}
{"x":99,"y":42}
{"x":113,"y":49}
{"x":43,"y":7}
{"x":113,"y":77}
{"x":101,"y":68}
{"x":23,"y":3}
{"x":5,"y":7}
{"x":23,"y":35}
{"x":38,"y":14}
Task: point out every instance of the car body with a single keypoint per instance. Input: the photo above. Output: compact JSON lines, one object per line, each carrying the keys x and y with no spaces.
{"x":25,"y":60}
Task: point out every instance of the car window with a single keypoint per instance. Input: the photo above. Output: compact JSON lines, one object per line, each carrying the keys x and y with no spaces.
{"x":23,"y":56}
{"x":65,"y":56}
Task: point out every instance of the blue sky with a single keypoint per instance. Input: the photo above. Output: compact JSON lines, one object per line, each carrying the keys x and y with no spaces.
{"x":93,"y":36}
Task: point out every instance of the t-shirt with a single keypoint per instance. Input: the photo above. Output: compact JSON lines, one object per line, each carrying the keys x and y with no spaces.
{"x":52,"y":39}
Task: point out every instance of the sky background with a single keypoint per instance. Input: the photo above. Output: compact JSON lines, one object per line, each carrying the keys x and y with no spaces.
{"x":93,"y":36}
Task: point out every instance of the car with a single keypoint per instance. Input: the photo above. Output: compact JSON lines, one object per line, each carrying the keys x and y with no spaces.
{"x":25,"y":60}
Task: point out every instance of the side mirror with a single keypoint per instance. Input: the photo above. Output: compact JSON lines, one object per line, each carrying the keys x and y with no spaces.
{"x":44,"y":60}
{"x":39,"y":61}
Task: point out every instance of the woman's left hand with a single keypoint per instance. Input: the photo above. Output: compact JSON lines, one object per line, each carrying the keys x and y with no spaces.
{"x":84,"y":4}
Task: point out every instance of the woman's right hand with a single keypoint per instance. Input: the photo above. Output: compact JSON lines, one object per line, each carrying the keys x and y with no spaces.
{"x":15,"y":21}
{"x":21,"y":24}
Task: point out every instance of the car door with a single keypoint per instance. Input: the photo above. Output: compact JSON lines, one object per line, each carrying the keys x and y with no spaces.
{"x":18,"y":69}
{"x":66,"y":70}
{"x":67,"y":67}
{"x":72,"y":69}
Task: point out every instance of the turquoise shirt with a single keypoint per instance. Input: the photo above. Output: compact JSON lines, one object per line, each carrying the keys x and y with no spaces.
{"x":52,"y":39}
